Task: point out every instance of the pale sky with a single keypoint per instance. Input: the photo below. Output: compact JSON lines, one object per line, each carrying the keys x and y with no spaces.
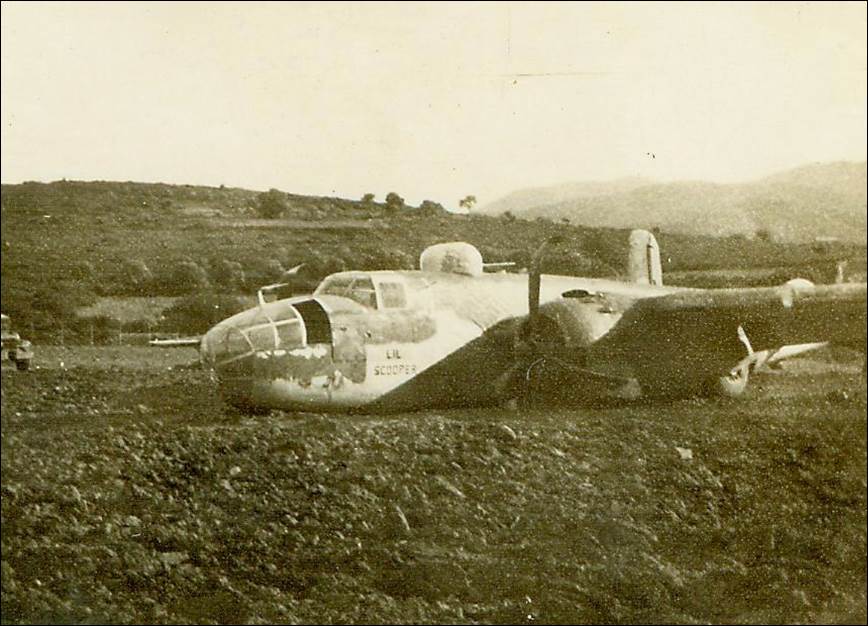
{"x":431,"y":100}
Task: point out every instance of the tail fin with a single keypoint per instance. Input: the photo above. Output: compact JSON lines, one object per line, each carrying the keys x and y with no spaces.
{"x":644,"y":262}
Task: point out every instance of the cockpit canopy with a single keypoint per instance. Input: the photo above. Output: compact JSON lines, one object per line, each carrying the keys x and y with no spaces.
{"x":361,"y":287}
{"x":353,"y":285}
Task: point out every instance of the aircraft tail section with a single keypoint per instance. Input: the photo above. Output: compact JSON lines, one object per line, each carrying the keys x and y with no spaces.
{"x":644,"y":262}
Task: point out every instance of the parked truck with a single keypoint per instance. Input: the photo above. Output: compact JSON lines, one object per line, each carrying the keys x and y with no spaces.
{"x":15,"y":349}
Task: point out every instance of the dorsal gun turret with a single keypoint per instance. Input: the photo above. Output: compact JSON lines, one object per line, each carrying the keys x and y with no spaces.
{"x":455,"y":257}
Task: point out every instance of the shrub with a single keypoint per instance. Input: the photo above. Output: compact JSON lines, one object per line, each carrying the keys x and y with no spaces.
{"x":195,"y":314}
{"x":38,"y":311}
{"x":394,"y":202}
{"x":228,"y":274}
{"x":271,"y":204}
{"x":263,"y":271}
{"x":189,"y":276}
{"x":135,"y":278}
{"x":428,"y":207}
{"x":467,"y":202}
{"x":180,"y":279}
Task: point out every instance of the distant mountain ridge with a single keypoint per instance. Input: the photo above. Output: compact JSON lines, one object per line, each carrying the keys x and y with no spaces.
{"x":801,"y":204}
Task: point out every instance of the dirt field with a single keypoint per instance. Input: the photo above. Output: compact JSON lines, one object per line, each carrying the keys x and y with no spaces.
{"x":129,"y":496}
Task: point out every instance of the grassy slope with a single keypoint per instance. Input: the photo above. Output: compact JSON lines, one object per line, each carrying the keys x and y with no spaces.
{"x":105,"y":224}
{"x":66,"y":243}
{"x":129,"y":497}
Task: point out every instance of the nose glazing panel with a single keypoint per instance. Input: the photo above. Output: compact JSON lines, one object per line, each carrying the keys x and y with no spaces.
{"x":275,"y":326}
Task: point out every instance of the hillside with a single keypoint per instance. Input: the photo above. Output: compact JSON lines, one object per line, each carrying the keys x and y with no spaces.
{"x":66,"y":244}
{"x":819,"y":200}
{"x":518,"y":201}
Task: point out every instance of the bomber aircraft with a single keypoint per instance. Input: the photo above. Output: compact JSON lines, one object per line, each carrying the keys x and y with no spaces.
{"x":451,"y":334}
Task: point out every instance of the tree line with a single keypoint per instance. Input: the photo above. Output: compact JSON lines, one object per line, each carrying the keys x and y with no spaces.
{"x":274,"y":204}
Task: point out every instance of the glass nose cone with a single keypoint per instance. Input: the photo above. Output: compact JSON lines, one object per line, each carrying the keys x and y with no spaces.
{"x":228,"y":348}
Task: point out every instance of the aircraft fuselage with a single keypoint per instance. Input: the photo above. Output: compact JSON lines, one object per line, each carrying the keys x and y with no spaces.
{"x":395,"y":340}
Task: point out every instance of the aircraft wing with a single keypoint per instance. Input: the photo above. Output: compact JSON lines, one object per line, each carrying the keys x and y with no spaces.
{"x":681,"y":338}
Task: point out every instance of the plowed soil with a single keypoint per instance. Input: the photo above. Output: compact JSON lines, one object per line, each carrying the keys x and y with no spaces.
{"x":130,"y":495}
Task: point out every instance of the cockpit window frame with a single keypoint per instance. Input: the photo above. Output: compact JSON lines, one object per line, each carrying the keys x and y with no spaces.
{"x":330,"y":286}
{"x":381,"y":288}
{"x":324,"y":288}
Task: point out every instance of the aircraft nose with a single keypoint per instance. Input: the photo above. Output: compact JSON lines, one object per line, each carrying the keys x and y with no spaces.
{"x":229,"y":349}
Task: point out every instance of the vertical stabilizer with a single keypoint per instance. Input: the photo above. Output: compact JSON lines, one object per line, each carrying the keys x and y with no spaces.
{"x":644,"y":262}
